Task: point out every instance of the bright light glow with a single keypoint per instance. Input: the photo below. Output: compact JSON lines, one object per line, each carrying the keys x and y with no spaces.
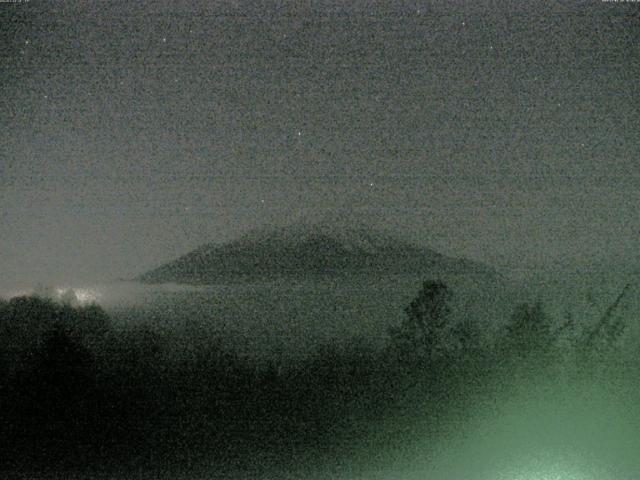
{"x":552,"y":472}
{"x":556,"y":476}
{"x":551,"y":476}
{"x":81,"y":296}
{"x":87,"y":296}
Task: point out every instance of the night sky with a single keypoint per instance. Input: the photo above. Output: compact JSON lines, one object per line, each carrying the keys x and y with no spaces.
{"x":507,"y":132}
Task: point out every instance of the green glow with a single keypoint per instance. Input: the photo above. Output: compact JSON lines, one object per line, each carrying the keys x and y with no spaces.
{"x":550,"y":466}
{"x":554,"y":472}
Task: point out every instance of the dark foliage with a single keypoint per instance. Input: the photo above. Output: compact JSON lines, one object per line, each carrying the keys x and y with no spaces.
{"x":421,"y":336}
{"x":528,"y":332}
{"x":77,"y":392}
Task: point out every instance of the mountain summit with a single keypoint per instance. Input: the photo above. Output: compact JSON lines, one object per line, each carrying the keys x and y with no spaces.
{"x":308,"y":249}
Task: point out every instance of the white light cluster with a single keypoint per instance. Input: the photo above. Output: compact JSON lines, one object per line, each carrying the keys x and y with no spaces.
{"x":83,"y":296}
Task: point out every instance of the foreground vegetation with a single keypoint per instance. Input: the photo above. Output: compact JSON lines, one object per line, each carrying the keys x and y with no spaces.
{"x":77,"y":393}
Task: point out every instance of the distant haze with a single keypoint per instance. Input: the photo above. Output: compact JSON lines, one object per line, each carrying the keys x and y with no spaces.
{"x":133,"y":132}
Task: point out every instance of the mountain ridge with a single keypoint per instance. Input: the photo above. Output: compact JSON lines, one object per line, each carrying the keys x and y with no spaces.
{"x":308,"y":249}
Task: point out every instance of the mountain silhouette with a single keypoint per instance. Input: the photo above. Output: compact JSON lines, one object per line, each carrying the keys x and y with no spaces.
{"x":306,"y":250}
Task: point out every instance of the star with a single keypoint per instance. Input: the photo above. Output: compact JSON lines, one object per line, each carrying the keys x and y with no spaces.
{"x":164,"y":39}
{"x":26,"y":42}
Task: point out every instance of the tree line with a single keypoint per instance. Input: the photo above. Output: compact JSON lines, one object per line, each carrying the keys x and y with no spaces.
{"x":76,"y":390}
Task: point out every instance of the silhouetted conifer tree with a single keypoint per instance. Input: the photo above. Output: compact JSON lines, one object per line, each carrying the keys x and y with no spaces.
{"x":421,"y":334}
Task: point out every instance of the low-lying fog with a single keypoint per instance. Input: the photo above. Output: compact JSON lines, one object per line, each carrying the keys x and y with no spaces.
{"x":288,"y":316}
